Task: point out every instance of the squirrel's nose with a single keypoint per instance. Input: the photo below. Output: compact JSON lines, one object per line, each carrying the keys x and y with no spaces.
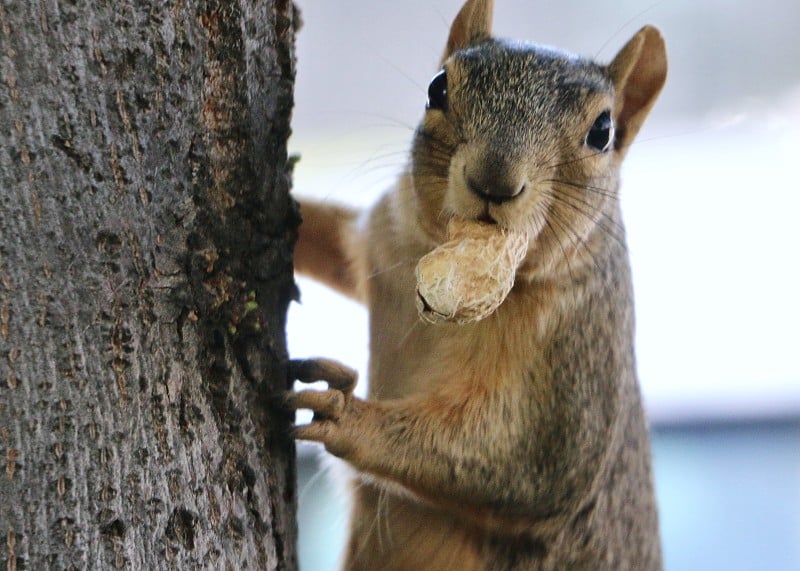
{"x":495,"y":192}
{"x":494,"y":179}
{"x":494,"y":189}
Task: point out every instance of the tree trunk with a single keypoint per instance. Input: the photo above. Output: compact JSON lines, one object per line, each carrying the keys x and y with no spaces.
{"x":146,"y":232}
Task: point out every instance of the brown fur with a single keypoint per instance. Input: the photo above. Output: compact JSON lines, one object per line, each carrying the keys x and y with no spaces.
{"x":517,"y":442}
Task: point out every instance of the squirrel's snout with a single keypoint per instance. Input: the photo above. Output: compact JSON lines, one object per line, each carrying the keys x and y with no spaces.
{"x":494,"y":177}
{"x":494,"y":190}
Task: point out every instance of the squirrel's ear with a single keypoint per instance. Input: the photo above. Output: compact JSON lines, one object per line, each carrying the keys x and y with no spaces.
{"x":473,"y":23}
{"x":638,"y":73}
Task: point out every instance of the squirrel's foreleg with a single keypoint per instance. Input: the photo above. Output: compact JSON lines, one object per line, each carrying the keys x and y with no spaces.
{"x":449,"y":451}
{"x":321,"y":250}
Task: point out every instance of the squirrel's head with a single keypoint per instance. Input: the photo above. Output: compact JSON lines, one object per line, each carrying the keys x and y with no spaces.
{"x":530,"y":137}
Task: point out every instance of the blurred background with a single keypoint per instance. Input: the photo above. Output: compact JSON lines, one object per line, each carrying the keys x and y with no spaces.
{"x":711,"y":201}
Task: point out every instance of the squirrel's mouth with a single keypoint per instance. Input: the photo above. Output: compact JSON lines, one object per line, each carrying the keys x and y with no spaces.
{"x":485,"y":217}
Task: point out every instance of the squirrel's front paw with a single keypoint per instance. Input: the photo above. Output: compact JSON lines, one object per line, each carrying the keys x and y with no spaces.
{"x":337,"y":375}
{"x":334,"y":410}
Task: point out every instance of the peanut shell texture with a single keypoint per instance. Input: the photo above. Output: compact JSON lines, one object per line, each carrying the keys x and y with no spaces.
{"x":469,"y":276}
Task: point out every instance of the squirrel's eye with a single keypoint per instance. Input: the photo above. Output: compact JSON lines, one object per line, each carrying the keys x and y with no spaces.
{"x":601,"y":134}
{"x":437,"y":92}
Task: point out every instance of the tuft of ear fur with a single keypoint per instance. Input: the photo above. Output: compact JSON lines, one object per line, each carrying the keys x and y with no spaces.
{"x":638,"y":72}
{"x":472,"y":24}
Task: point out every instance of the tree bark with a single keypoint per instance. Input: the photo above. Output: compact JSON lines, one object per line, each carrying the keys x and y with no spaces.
{"x":146,"y":232}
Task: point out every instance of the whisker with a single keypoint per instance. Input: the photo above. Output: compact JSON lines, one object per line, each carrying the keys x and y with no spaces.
{"x":602,"y":191}
{"x":578,"y":241}
{"x":598,"y":218}
{"x":404,"y":74}
{"x":548,"y":224}
{"x":589,"y":212}
{"x":575,"y":160}
{"x":408,"y":333}
{"x":625,"y":25}
{"x":394,"y":266}
{"x":319,"y":474}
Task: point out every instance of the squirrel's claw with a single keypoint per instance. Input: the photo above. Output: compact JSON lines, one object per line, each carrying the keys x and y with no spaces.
{"x":335,"y":415}
{"x":337,"y":375}
{"x":327,"y":405}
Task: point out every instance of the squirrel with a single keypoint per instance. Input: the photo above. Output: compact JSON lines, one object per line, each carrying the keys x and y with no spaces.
{"x":518,"y":441}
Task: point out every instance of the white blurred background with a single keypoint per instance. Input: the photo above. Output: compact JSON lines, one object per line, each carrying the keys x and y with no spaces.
{"x":711,"y":201}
